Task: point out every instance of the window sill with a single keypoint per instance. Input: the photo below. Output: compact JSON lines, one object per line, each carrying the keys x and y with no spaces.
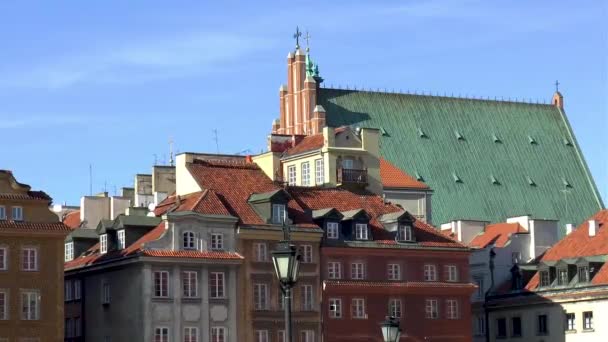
{"x":573,"y":331}
{"x":588,"y":330}
{"x":162,"y":299}
{"x":191,"y":299}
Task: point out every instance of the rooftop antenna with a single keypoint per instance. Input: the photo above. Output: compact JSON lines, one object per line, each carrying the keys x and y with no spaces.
{"x":155,"y":159}
{"x":171,"y":161}
{"x":217,"y":144}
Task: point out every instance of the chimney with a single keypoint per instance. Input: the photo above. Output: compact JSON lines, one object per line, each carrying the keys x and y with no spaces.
{"x":248,"y":159}
{"x":568,"y":228}
{"x":592,"y":227}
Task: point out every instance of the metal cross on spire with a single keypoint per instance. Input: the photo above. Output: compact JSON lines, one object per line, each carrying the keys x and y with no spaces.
{"x":297,"y":36}
{"x":307,"y":37}
{"x":556,"y":85}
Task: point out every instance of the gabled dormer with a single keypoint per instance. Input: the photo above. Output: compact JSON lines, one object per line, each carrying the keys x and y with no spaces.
{"x":107,"y":236}
{"x":329,"y":219}
{"x":270,"y":206}
{"x":79,"y":241}
{"x":401,"y":224}
{"x":129,"y":228}
{"x":355,"y":225}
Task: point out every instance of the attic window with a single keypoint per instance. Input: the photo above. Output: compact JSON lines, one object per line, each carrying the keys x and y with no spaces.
{"x":530,"y":181}
{"x":103,"y":243}
{"x":567,"y":142}
{"x":69,"y":251}
{"x":494,"y":180}
{"x":419,"y":177}
{"x":421,"y":133}
{"x":458,"y":136}
{"x":531,"y":140}
{"x":566,"y":183}
{"x":496,"y":139}
{"x":278,"y":213}
{"x":456,"y":178}
{"x":405,"y":232}
{"x":383,"y":132}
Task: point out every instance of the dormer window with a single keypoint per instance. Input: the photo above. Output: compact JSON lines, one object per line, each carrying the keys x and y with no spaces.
{"x":544,"y":278}
{"x":69,"y":251}
{"x":562,"y":276}
{"x":103,"y":243}
{"x":583,"y":274}
{"x":333,"y":230}
{"x":121,"y":239}
{"x":278,"y":213}
{"x":361,"y":232}
{"x":405,"y":232}
{"x":188,"y":240}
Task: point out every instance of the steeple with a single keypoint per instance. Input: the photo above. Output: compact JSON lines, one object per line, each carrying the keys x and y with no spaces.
{"x":558,"y":98}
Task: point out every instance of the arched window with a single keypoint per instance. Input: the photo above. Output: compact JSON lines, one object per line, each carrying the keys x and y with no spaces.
{"x":189,"y":242}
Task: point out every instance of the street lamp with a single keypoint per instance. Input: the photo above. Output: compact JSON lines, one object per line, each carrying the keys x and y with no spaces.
{"x":286,"y":262}
{"x":390,"y":329}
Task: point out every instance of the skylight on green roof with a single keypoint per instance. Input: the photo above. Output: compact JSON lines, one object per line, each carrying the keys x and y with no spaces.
{"x":531,"y":140}
{"x":456,"y":178}
{"x":419,"y":177}
{"x":421,"y":133}
{"x":566,"y":183}
{"x":496,"y":139}
{"x":458,"y":135}
{"x":494,"y":180}
{"x":383,"y":132}
{"x":567,"y":142}
{"x":530,"y":181}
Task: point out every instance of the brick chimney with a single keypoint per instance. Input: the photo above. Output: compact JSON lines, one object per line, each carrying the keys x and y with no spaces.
{"x":592,"y":227}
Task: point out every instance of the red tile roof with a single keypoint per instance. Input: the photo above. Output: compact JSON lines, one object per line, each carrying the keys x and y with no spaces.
{"x":411,"y":284}
{"x":203,"y":202}
{"x":394,"y":177}
{"x":34,"y":226}
{"x":217,"y":255}
{"x":309,"y":143}
{"x":30,"y":195}
{"x":72,"y":219}
{"x":497,"y":234}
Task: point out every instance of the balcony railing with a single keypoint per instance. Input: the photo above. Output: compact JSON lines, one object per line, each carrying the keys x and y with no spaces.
{"x":352,"y":176}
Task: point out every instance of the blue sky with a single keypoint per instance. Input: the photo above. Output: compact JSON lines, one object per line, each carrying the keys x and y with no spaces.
{"x":109,"y":82}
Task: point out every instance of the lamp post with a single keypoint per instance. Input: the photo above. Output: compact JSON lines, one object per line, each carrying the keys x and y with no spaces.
{"x":286,"y":262}
{"x":390,"y":330}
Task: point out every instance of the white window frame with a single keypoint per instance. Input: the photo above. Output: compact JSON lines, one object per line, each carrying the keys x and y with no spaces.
{"x":191,"y":334}
{"x":281,"y":336}
{"x":121,"y":239}
{"x":452,"y":309}
{"x":105,"y":292}
{"x":219,"y":334}
{"x":160,"y":284}
{"x":334,"y":270}
{"x":394,"y":307}
{"x":29,"y":259}
{"x":394,"y":272}
{"x":319,"y":171}
{"x":217,"y":242}
{"x":260,"y":296}
{"x":430,"y":272}
{"x":3,"y":258}
{"x":279,"y":213}
{"x":103,"y":243}
{"x":77,"y":289}
{"x":333,"y":230}
{"x":307,"y":256}
{"x":30,"y":305}
{"x":358,"y":308}
{"x":17,"y":213}
{"x":4,"y":304}
{"x":307,"y":297}
{"x":190,"y":284}
{"x":291,"y":175}
{"x":261,"y":336}
{"x":261,"y":251}
{"x":357,"y":271}
{"x":2,"y":212}
{"x":161,"y":334}
{"x":431,"y":309}
{"x":68,"y":251}
{"x":188,"y":240}
{"x":361,"y":231}
{"x":307,"y":336}
{"x":68,"y":291}
{"x":570,"y":323}
{"x":587,"y":320}
{"x":452,"y":273}
{"x":217,"y":285}
{"x":406,"y":232}
{"x":335,"y":308}
{"x":305,"y":173}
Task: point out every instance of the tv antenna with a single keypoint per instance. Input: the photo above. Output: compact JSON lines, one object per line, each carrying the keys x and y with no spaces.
{"x":217,"y":144}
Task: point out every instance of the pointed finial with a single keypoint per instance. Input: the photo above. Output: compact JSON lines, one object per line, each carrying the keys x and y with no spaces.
{"x":307,"y":37}
{"x":297,"y":36}
{"x":556,"y":86}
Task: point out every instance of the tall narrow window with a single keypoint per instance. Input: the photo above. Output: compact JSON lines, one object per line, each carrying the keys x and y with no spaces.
{"x":358,"y":308}
{"x":191,"y":334}
{"x":451,"y":272}
{"x":305,"y":174}
{"x":121,"y":239}
{"x":188,"y":240}
{"x":583,"y":274}
{"x":103,"y":243}
{"x":260,"y":296}
{"x":17,"y":214}
{"x":161,"y":334}
{"x":570,"y":321}
{"x":190,"y":284}
{"x":161,"y":284}
{"x":431,"y":309}
{"x":3,"y":258}
{"x":77,"y":289}
{"x":278,"y":213}
{"x":501,"y":327}
{"x":216,"y":284}
{"x":291,"y":175}
{"x":261,"y":251}
{"x":29,"y":259}
{"x":480,"y":325}
{"x":452,"y":309}
{"x":261,"y":336}
{"x":3,"y":305}
{"x":68,"y":252}
{"x":307,"y":336}
{"x":394,"y":307}
{"x":217,"y":242}
{"x":30,"y":305}
{"x":319,"y":172}
{"x":306,"y":254}
{"x":218,"y":334}
{"x":541,"y":325}
{"x":68,"y":290}
{"x":361,"y":231}
{"x":2,"y":212}
{"x":562,"y":276}
{"x":105,"y":292}
{"x":307,"y":298}
{"x":332,"y":230}
{"x":405,"y":233}
{"x":588,"y":320}
{"x":281,"y":336}
{"x":357,"y":270}
{"x":334,"y":270}
{"x":394,"y":272}
{"x":335,"y":308}
{"x":430,"y":272}
{"x":544,"y":278}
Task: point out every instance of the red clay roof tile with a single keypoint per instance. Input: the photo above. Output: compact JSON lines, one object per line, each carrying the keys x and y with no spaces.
{"x":72,"y":219}
{"x":34,"y":226}
{"x":309,"y":143}
{"x":394,"y":177}
{"x":497,"y":234}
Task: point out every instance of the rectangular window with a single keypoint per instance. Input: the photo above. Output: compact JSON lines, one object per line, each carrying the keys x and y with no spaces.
{"x":291,"y":175}
{"x":17,"y":214}
{"x":306,"y":254}
{"x":307,"y":336}
{"x":190,"y":284}
{"x":191,"y":334}
{"x":431,"y":309}
{"x":67,"y":290}
{"x":501,"y":327}
{"x":121,"y":239}
{"x":480,"y":290}
{"x":161,"y":284}
{"x":358,"y":308}
{"x":544,"y":278}
{"x":452,"y":309}
{"x":3,"y":305}
{"x":281,"y":336}
{"x":278,"y":213}
{"x":105,"y":292}
{"x":394,"y":272}
{"x":77,"y":289}
{"x":588,"y":320}
{"x":305,"y":174}
{"x":69,"y":251}
{"x":307,"y":298}
{"x":335,"y":308}
{"x":161,"y":334}
{"x":583,"y":274}
{"x":2,"y":212}
{"x":3,"y":258}
{"x":77,"y":327}
{"x":570,"y":321}
{"x":30,"y":305}
{"x":361,"y":231}
{"x":430,"y":272}
{"x":261,"y":251}
{"x":260,"y":296}
{"x":334,"y":270}
{"x":217,"y":284}
{"x":357,"y":270}
{"x":218,"y":334}
{"x":515,"y":326}
{"x":103,"y":243}
{"x":541,"y":325}
{"x":188,"y":240}
{"x":404,"y":233}
{"x":29,"y":258}
{"x":394,"y":307}
{"x":217,"y":242}
{"x":319,"y":172}
{"x":332,"y":230}
{"x":562,"y":276}
{"x":480,"y":325}
{"x":451,"y":272}
{"x":261,"y":336}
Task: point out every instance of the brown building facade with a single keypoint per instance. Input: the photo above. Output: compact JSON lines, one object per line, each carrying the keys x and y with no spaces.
{"x":31,"y":264}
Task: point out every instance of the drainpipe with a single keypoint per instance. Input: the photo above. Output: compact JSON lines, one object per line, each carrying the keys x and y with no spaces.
{"x":487,"y":294}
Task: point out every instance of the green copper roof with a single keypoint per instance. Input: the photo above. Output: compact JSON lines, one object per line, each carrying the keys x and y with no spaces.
{"x":505,"y":159}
